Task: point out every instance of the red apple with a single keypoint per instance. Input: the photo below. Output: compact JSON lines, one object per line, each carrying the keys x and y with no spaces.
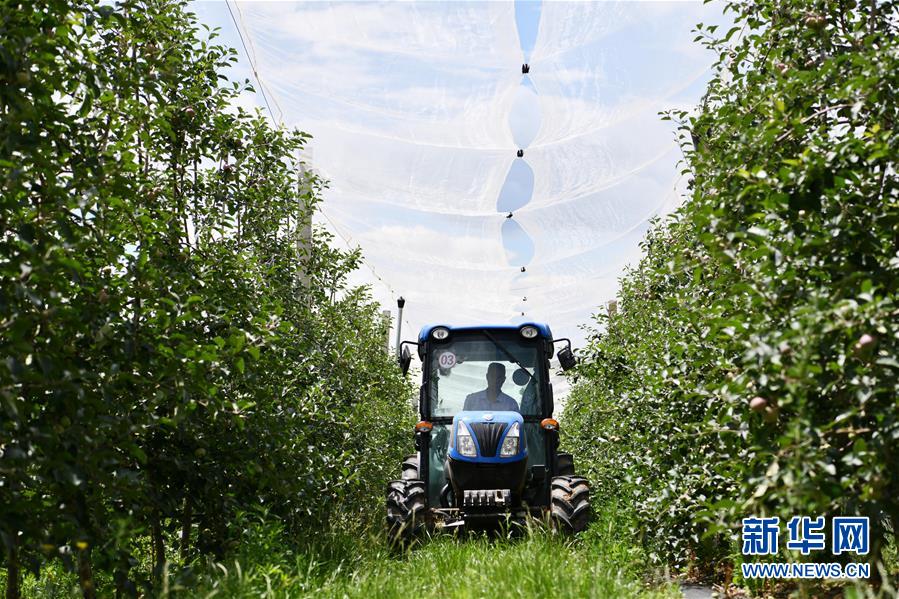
{"x":865,"y":346}
{"x":865,"y":341}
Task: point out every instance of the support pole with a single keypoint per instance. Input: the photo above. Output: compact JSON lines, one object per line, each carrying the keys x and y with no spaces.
{"x":399,"y":324}
{"x":612,"y":307}
{"x":386,"y":318}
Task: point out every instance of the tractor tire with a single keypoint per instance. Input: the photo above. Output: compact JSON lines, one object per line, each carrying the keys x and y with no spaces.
{"x":410,"y":467}
{"x":570,"y":503}
{"x":566,"y":464}
{"x":405,"y":510}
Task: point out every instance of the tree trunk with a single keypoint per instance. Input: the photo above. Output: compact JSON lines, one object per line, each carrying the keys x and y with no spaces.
{"x":12,"y":573}
{"x":878,"y":538}
{"x":86,"y":575}
{"x":158,"y":548}
{"x":186,"y":524}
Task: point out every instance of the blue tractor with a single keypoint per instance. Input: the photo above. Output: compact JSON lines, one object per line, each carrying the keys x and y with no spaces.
{"x":487,"y":446}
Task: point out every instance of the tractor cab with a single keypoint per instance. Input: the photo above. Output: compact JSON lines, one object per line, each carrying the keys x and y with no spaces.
{"x":486,"y":441}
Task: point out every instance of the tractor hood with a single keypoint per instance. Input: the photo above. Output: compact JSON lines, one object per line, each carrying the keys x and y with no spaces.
{"x":488,"y":431}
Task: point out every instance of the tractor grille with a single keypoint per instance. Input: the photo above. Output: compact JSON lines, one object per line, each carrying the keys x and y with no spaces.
{"x":488,"y":435}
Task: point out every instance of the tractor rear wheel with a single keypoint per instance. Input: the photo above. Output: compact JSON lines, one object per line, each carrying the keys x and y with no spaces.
{"x":405,"y":510}
{"x":570,"y":501}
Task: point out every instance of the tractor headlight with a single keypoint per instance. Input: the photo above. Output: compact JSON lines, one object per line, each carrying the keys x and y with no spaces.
{"x":464,"y":442}
{"x":510,"y":443}
{"x":529,"y":332}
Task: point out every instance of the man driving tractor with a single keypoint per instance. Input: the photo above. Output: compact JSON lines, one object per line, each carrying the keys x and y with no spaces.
{"x":492,"y":398}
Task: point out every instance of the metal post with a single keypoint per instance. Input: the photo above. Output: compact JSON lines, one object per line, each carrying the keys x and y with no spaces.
{"x":612,"y":307}
{"x":386,"y":317}
{"x":304,"y":224}
{"x":399,"y":323}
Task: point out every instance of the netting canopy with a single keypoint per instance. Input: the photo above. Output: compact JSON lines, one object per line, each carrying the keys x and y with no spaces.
{"x":481,"y":192}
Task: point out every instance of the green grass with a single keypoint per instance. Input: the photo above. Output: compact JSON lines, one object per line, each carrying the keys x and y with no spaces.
{"x":605,"y":561}
{"x":602,"y":562}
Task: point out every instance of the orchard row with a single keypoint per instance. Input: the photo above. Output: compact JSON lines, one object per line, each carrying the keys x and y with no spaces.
{"x":179,"y":347}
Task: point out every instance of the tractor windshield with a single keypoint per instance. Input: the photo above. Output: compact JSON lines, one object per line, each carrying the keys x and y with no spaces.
{"x":492,"y":371}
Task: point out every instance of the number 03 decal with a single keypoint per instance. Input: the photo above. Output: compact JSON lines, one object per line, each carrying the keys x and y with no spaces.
{"x":447,"y":360}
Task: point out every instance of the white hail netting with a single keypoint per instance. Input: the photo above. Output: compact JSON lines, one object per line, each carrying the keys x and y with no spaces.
{"x":417,"y":110}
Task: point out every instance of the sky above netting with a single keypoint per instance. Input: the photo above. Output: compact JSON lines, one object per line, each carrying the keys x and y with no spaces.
{"x":418,"y":112}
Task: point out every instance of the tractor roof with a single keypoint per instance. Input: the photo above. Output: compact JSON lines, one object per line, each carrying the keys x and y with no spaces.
{"x":542,"y":327}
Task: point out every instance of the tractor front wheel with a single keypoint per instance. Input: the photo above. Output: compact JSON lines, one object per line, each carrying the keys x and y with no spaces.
{"x":410,"y":467}
{"x":405,"y":510}
{"x":570,"y":499}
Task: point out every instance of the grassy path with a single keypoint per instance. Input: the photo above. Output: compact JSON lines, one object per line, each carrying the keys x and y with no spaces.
{"x":540,"y":565}
{"x":605,"y":561}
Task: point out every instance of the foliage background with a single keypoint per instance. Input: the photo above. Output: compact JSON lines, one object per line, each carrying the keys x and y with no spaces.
{"x":776,"y":280}
{"x":177,"y":348}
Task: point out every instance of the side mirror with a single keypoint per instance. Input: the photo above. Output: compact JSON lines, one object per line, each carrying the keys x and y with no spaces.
{"x":566,"y":358}
{"x":405,"y":360}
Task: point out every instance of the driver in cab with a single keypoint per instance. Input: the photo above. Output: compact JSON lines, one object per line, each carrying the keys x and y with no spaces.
{"x":492,"y":398}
